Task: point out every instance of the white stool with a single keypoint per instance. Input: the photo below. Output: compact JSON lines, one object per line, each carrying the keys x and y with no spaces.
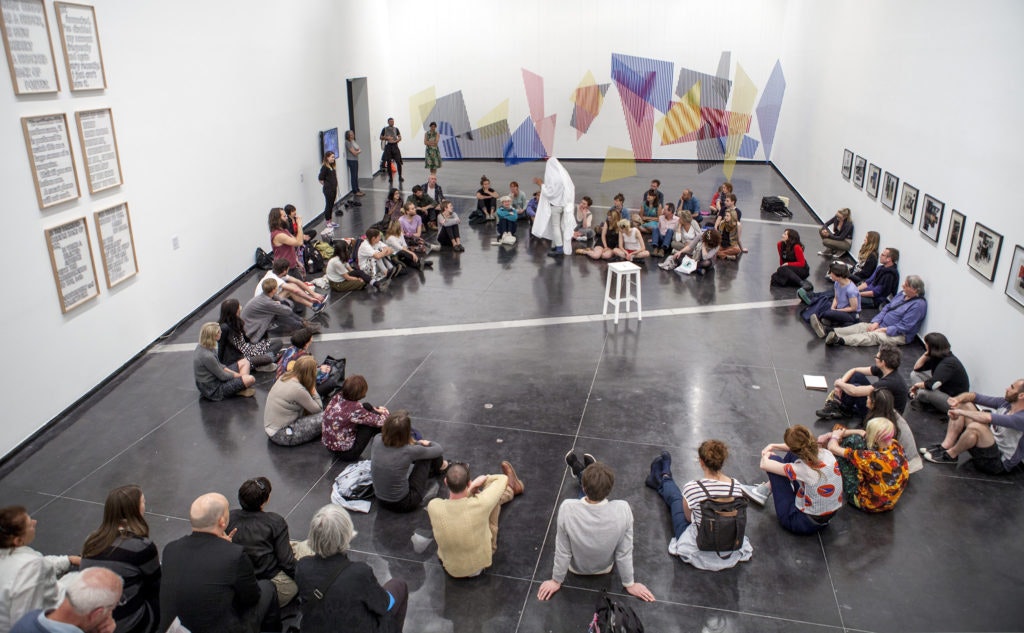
{"x":631,"y":273}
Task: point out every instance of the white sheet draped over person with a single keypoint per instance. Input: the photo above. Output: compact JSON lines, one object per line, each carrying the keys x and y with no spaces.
{"x":555,"y":219}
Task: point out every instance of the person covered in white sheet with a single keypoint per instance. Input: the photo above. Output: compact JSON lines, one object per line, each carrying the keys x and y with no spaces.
{"x":557,"y":193}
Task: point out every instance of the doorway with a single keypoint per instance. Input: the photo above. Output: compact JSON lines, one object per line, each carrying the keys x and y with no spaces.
{"x":359,"y":122}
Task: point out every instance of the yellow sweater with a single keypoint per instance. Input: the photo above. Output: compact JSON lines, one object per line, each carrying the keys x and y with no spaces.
{"x":462,"y":529}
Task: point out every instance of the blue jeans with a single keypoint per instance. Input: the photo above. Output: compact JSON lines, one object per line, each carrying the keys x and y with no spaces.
{"x":506,"y":226}
{"x":673,"y":498}
{"x":662,"y":240}
{"x":835,"y":318}
{"x":784,"y":496}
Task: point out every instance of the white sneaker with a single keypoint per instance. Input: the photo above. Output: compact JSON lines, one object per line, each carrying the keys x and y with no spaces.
{"x":434,"y":247}
{"x":758,"y":494}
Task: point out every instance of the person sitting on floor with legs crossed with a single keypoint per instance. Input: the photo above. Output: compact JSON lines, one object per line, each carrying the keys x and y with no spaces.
{"x":850,"y":396}
{"x":896,"y":323}
{"x":994,"y":439}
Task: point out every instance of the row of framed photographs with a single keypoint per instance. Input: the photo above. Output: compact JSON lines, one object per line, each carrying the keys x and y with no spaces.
{"x":986,"y":244}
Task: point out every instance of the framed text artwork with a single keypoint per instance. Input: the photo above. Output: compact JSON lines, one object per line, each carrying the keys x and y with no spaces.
{"x":847,"y":163}
{"x":99,"y":145}
{"x":74,"y":271}
{"x":984,"y":254}
{"x":860,"y":165}
{"x":874,"y":180}
{"x":117,"y":244}
{"x":955,"y":232}
{"x":53,"y":163}
{"x":931,"y":217}
{"x":1015,"y":282}
{"x":81,"y":42}
{"x":26,"y":33}
{"x":889,"y":187}
{"x":908,"y":204}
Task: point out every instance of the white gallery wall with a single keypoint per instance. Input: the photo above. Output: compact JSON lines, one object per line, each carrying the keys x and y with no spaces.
{"x":217,"y":106}
{"x":930,"y":91}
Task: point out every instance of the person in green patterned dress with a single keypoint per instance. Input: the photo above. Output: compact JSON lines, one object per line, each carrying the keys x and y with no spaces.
{"x":432,"y":158}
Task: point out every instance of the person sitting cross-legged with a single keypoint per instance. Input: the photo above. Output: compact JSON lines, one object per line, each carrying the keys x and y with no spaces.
{"x":897,"y":323}
{"x":685,"y":506}
{"x":594,"y":533}
{"x":466,"y":523}
{"x":874,"y":466}
{"x":214,"y":380}
{"x":849,"y":398}
{"x":994,"y":439}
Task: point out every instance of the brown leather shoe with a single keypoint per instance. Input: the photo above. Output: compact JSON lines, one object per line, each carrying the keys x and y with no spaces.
{"x":514,"y":482}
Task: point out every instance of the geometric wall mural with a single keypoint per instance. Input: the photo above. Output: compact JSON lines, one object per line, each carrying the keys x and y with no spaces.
{"x":587,"y":99}
{"x":769,"y":106}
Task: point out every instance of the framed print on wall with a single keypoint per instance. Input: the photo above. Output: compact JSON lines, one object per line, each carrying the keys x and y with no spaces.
{"x":74,"y":270}
{"x":860,"y":165}
{"x":1015,"y":282}
{"x":889,"y":189}
{"x":99,"y":144}
{"x":53,"y":163}
{"x":81,"y":41}
{"x":874,"y":178}
{"x":984,"y":254}
{"x":955,"y":232}
{"x":931,"y":217}
{"x":908,"y":204}
{"x":117,"y":244}
{"x":26,"y":32}
{"x":847,"y":163}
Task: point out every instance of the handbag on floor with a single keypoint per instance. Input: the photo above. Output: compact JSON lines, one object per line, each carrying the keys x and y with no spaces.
{"x":612,"y":616}
{"x":687,"y":265}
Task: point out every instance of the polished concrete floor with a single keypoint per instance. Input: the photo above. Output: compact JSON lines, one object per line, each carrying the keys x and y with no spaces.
{"x":502,"y":354}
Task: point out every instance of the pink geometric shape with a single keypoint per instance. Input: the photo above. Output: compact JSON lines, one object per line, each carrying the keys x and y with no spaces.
{"x":546,"y":132}
{"x":534,"y":95}
{"x":639,"y":121}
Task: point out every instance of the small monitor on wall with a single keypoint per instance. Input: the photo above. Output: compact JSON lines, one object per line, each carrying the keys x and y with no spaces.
{"x":329,"y":142}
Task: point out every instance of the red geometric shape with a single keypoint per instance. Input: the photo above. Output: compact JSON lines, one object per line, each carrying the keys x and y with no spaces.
{"x":546,"y":132}
{"x":639,"y":121}
{"x":534,"y":85}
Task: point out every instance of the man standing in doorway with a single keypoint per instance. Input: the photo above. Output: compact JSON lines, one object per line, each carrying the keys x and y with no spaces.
{"x":391,"y":136}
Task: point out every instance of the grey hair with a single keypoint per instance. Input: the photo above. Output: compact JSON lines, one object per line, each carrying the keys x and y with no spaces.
{"x":92,"y":588}
{"x":916,"y":283}
{"x":331,"y":531}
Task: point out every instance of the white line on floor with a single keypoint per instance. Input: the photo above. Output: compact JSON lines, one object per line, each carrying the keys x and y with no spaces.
{"x":522,"y":323}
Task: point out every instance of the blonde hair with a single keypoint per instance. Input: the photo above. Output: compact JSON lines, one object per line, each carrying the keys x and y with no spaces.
{"x":304,"y":371}
{"x":685,"y":217}
{"x":394,"y":229}
{"x":844,"y":214}
{"x":208,"y":335}
{"x":879,"y":432}
{"x":623,"y":224}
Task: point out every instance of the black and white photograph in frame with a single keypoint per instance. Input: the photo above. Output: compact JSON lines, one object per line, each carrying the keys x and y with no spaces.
{"x":860,"y":165}
{"x":847,"y":163}
{"x":1015,"y":282}
{"x":955,"y":232}
{"x":908,"y":204}
{"x":874,"y":178}
{"x":931,"y":217}
{"x":890,"y":186}
{"x":984,"y":254}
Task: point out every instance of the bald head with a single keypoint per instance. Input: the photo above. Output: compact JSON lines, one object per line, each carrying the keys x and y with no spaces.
{"x":207,"y":511}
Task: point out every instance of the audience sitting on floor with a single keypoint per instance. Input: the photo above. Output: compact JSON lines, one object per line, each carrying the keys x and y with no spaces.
{"x":487,"y":199}
{"x":518,"y":200}
{"x":583,"y":231}
{"x":235,"y":345}
{"x":402,"y":251}
{"x":845,"y":306}
{"x":594,"y":533}
{"x":214,"y":380}
{"x":882,"y":404}
{"x":664,"y":232}
{"x":849,"y":397}
{"x":867,"y":258}
{"x":293,"y":414}
{"x":28,"y":580}
{"x":393,"y":205}
{"x":703,"y":251}
{"x":433,"y":191}
{"x":424,"y":205}
{"x":448,"y":227}
{"x":607,"y":239}
{"x":884,"y":282}
{"x":793,"y":269}
{"x":341,"y":276}
{"x":729,"y":227}
{"x":685,"y":506}
{"x":655,"y":190}
{"x":348,"y":424}
{"x":647,"y":219}
{"x":266,"y":312}
{"x":401,"y":466}
{"x":264,"y":536}
{"x":121,"y":544}
{"x":209,"y":583}
{"x":804,"y":481}
{"x":687,"y":202}
{"x":465,"y":524}
{"x":334,"y":590}
{"x":718,"y":199}
{"x":328,"y":378}
{"x":89,"y":601}
{"x":994,"y":439}
{"x":290,"y":288}
{"x":937,"y":375}
{"x":632,"y":242}
{"x":374,"y":260}
{"x":897,"y":323}
{"x":874,"y":466}
{"x":412,"y":230}
{"x":507,"y":219}
{"x":688,"y":230}
{"x":837,"y":235}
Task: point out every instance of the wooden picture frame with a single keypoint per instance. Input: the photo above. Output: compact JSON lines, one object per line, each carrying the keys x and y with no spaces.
{"x":955,"y":232}
{"x":986,"y":245}
{"x":891,"y":184}
{"x":74,"y":271}
{"x":99,"y":147}
{"x":84,"y":62}
{"x":48,"y":143}
{"x":117,"y":244}
{"x":847,"y":163}
{"x":874,"y":181}
{"x":908,"y":203}
{"x":1015,"y":280}
{"x":860,"y":165}
{"x":932,"y":211}
{"x":26,"y":31}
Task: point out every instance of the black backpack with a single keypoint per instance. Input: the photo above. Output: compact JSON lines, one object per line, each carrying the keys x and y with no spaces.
{"x":264,"y":260}
{"x":611,"y":616}
{"x":313,"y":261}
{"x":775,"y":206}
{"x":723,"y":522}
